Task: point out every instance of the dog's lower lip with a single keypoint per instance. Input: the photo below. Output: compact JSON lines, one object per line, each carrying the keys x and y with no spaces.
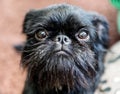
{"x":61,"y":52}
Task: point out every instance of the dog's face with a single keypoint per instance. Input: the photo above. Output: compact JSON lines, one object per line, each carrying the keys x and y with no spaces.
{"x":61,"y":46}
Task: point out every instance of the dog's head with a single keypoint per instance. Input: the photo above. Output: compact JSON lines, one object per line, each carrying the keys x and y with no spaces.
{"x":62,"y":46}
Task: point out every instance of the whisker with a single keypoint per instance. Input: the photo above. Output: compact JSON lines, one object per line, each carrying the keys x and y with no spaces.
{"x":26,"y":62}
{"x":29,"y":50}
{"x":33,"y":54}
{"x":35,"y":44}
{"x":29,"y":39}
{"x":28,"y":55}
{"x":34,"y":49}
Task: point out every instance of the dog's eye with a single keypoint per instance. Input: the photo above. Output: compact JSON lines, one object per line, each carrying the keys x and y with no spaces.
{"x":83,"y":35}
{"x":41,"y":34}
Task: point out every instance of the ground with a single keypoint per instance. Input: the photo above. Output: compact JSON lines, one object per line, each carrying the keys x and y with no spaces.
{"x":12,"y":14}
{"x":110,"y":82}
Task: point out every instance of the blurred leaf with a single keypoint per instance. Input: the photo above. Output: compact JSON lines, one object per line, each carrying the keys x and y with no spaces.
{"x":115,"y":3}
{"x":119,"y":21}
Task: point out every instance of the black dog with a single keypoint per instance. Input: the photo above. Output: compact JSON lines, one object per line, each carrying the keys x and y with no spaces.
{"x":64,"y":51}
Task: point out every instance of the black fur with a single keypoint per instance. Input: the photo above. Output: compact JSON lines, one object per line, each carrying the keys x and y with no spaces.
{"x":78,"y":70}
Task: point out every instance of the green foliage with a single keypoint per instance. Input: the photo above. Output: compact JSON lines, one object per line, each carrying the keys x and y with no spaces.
{"x":116,"y":3}
{"x":119,"y":21}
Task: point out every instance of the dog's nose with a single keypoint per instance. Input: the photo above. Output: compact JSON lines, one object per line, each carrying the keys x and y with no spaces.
{"x":63,"y":39}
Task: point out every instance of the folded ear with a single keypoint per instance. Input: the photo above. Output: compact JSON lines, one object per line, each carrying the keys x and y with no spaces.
{"x":102,"y":28}
{"x":28,"y":21}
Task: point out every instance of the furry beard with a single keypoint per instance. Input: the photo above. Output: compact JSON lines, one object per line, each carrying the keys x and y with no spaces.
{"x":54,"y":70}
{"x":64,"y":52}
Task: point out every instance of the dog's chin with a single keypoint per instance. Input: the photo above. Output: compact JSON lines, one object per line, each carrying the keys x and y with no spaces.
{"x":61,"y":68}
{"x":61,"y":72}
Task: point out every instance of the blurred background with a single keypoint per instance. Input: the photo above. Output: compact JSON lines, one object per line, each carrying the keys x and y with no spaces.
{"x":12,"y":13}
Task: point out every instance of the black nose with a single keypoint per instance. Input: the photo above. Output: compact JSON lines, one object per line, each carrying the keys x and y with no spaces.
{"x":63,"y":39}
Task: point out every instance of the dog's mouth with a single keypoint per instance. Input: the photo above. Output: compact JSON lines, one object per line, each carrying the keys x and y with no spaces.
{"x":62,"y":52}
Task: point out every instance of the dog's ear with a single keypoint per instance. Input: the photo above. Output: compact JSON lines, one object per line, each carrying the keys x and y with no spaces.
{"x":102,"y":28}
{"x":26,"y":29}
{"x":28,"y":21}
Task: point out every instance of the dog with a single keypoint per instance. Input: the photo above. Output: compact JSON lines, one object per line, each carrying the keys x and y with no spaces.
{"x":64,"y":50}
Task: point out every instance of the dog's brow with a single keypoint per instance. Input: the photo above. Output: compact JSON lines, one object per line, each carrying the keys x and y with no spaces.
{"x":38,"y":25}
